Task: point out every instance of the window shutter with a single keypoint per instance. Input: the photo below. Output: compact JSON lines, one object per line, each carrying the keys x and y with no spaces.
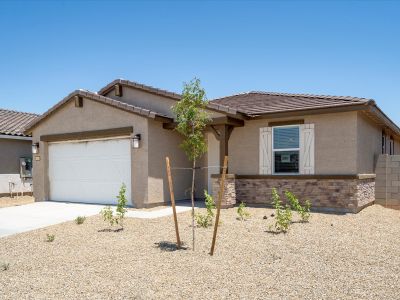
{"x":307,"y":149}
{"x":266,"y":150}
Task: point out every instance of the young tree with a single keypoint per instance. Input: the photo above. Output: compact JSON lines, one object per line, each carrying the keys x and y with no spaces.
{"x":192,"y":119}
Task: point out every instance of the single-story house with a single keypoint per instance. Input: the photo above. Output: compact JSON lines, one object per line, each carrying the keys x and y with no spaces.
{"x":15,"y":152}
{"x":323,"y":148}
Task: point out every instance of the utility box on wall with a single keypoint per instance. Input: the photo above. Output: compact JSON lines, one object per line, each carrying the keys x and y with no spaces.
{"x":25,"y":167}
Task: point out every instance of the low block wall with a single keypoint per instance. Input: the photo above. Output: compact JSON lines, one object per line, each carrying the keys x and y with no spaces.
{"x":329,"y":193}
{"x":388,"y":181}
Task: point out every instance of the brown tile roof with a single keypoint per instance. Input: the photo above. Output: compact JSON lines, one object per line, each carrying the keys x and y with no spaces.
{"x":14,"y":122}
{"x":105,"y":100}
{"x":139,"y":86}
{"x":213,"y":106}
{"x":259,"y":103}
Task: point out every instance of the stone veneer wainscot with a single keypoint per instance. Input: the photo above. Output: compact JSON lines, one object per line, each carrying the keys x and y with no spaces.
{"x":337,"y":193}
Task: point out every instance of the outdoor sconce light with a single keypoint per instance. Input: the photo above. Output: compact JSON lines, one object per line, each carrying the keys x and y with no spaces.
{"x":136,"y":141}
{"x":35,"y":148}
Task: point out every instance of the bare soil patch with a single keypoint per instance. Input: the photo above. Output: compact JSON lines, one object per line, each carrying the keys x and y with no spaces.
{"x":332,"y":257}
{"x":21,"y":200}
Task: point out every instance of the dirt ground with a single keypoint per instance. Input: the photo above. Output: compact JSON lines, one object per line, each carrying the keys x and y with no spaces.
{"x":8,"y":201}
{"x":331,"y":257}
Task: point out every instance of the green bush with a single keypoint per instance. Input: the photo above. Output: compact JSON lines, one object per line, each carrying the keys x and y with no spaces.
{"x":283,"y":215}
{"x":80,"y":220}
{"x":108,"y":214}
{"x":206,"y":220}
{"x":50,"y":238}
{"x":242,"y":212}
{"x":303,"y":211}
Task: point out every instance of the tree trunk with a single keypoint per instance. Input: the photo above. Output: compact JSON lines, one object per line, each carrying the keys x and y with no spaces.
{"x":192,"y":198}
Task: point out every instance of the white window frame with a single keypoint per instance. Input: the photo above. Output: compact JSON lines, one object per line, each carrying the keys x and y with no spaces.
{"x":284,"y":149}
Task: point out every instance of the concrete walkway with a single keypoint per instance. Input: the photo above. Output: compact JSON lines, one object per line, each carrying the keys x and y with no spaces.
{"x":36,"y":215}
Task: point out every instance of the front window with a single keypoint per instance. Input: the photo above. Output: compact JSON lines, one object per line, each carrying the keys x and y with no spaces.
{"x":286,"y":148}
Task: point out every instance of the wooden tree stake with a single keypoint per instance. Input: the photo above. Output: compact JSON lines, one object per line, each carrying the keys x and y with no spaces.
{"x":220,"y":195}
{"x":171,"y":190}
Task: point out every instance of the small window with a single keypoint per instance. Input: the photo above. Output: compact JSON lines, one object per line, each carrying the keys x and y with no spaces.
{"x":286,"y":149}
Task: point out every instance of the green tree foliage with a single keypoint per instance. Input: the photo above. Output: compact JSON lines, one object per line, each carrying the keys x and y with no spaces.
{"x":192,"y":118}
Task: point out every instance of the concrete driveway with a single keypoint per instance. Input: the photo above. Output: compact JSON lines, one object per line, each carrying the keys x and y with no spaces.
{"x":17,"y":219}
{"x":27,"y":217}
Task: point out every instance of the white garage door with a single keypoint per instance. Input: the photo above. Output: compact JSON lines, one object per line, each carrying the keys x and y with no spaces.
{"x":89,"y":171}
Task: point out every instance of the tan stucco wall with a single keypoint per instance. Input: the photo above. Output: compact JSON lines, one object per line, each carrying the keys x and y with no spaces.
{"x":369,"y":145}
{"x":335,"y":144}
{"x":397,"y":147}
{"x":92,"y":116}
{"x":10,"y":152}
{"x":164,"y":143}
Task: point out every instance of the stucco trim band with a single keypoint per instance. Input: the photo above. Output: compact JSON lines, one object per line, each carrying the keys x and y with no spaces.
{"x":94,"y":134}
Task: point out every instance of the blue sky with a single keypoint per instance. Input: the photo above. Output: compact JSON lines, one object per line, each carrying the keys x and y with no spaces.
{"x":49,"y":49}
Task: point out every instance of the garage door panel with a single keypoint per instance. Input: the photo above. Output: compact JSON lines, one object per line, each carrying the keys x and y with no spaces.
{"x":90,"y":171}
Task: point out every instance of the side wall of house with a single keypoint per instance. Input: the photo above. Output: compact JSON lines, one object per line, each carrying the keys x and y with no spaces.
{"x":335,"y":144}
{"x":92,"y":116}
{"x":369,"y":145}
{"x":10,"y":152}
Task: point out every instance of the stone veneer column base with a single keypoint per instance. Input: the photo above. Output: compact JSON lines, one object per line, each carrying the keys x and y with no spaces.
{"x":346,"y":193}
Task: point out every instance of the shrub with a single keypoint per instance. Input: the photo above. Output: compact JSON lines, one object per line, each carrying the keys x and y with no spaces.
{"x":205,"y":220}
{"x":303,"y":211}
{"x":80,"y":220}
{"x":4,"y":266}
{"x":283,"y":214}
{"x":50,"y":238}
{"x":108,"y":214}
{"x":242,"y":212}
{"x":121,"y":207}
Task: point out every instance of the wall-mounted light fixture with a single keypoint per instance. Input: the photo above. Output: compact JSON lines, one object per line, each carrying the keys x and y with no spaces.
{"x":136,"y":141}
{"x":35,"y":148}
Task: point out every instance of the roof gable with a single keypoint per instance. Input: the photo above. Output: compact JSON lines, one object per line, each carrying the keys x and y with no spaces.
{"x":217,"y":107}
{"x":101,"y":99}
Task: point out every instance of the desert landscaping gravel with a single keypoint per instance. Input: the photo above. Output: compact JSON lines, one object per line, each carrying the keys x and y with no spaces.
{"x":331,"y":257}
{"x":20,"y":200}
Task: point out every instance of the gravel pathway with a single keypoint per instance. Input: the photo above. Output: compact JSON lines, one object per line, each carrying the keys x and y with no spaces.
{"x":332,"y":257}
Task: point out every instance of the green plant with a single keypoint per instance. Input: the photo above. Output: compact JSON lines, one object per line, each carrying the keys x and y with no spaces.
{"x":121,"y":207}
{"x":4,"y":266}
{"x":303,"y":211}
{"x":205,"y":220}
{"x":210,"y":205}
{"x":242,"y":212}
{"x":192,"y":119}
{"x":108,"y":214}
{"x":80,"y":220}
{"x":50,"y":238}
{"x":283,"y":215}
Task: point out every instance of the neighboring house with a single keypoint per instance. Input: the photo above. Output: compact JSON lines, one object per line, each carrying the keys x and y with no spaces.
{"x":15,"y":152}
{"x":323,"y":148}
